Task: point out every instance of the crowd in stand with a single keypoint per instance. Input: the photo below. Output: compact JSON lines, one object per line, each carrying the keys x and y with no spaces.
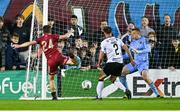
{"x":11,"y":58}
{"x":164,"y":42}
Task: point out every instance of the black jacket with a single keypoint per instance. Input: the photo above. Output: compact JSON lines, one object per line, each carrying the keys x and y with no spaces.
{"x":4,"y":41}
{"x":24,"y":36}
{"x":4,"y":37}
{"x":165,"y":37}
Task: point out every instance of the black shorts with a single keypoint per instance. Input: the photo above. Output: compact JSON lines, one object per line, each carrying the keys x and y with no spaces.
{"x":113,"y":68}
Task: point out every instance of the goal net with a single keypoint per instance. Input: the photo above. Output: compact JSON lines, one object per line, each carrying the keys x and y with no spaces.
{"x":37,"y":86}
{"x":158,"y":21}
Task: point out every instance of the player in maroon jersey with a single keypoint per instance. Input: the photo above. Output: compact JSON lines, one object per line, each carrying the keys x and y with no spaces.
{"x":48,"y":43}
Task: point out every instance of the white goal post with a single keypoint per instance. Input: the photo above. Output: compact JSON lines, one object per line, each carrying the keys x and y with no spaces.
{"x":40,"y":11}
{"x":44,"y":60}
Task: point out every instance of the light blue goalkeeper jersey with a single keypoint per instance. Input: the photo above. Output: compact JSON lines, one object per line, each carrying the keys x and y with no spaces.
{"x":143,"y":47}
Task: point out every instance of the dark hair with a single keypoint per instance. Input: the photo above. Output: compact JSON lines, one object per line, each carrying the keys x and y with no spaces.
{"x":74,"y":16}
{"x":15,"y":34}
{"x":47,"y":29}
{"x":91,"y":46}
{"x":136,"y":29}
{"x":78,"y":37}
{"x":175,"y":38}
{"x":107,"y":30}
{"x":20,"y":16}
{"x":1,"y":19}
{"x":153,"y":33}
{"x":131,"y":23}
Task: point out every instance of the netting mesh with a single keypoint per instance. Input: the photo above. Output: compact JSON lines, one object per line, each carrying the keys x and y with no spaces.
{"x":33,"y":75}
{"x":118,"y":14}
{"x":161,"y":30}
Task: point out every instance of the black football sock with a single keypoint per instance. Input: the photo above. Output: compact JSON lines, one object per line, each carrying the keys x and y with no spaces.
{"x":53,"y":94}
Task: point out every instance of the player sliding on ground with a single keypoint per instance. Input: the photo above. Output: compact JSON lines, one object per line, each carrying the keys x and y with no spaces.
{"x":48,"y":43}
{"x":111,"y":47}
{"x":141,"y":49}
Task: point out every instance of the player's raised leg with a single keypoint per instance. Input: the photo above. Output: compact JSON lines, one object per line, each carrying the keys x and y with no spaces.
{"x":100,"y":84}
{"x":117,"y":83}
{"x":114,"y":69}
{"x":72,"y":59}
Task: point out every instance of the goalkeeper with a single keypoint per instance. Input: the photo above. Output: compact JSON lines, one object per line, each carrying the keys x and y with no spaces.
{"x":141,"y":48}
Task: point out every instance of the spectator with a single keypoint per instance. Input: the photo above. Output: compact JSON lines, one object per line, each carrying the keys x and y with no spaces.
{"x":55,"y":26}
{"x":98,"y":36}
{"x":154,"y":54}
{"x":145,"y":29}
{"x":93,"y":56}
{"x":175,"y":55}
{"x":85,"y":59}
{"x":60,"y":45}
{"x":85,"y":44}
{"x":166,"y":33}
{"x":78,"y":30}
{"x":4,"y":40}
{"x":78,"y":44}
{"x":51,"y":23}
{"x":24,"y":36}
{"x":126,"y":38}
{"x":12,"y":55}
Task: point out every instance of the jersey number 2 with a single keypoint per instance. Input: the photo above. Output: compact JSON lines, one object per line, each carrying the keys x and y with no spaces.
{"x":116,"y":49}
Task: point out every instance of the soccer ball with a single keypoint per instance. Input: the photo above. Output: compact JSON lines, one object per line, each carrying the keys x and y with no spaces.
{"x":86,"y":84}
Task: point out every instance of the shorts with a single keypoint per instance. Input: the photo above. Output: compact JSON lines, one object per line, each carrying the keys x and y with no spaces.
{"x":56,"y":60}
{"x":140,"y":67}
{"x":113,"y":68}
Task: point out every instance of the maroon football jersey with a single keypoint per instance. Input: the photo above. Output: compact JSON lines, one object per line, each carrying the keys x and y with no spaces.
{"x":48,"y":43}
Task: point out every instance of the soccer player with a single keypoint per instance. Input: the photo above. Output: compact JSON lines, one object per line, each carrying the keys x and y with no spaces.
{"x":48,"y":43}
{"x":141,"y":48}
{"x":111,"y":47}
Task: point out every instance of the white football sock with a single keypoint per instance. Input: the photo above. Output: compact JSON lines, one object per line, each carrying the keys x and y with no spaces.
{"x":99,"y":88}
{"x":119,"y":85}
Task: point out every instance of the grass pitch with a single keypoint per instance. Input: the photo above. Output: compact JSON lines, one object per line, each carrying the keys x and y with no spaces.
{"x":89,"y":104}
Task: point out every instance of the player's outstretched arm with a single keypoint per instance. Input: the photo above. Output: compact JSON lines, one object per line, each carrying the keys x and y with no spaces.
{"x":129,"y":53}
{"x":26,"y":44}
{"x":67,"y":35}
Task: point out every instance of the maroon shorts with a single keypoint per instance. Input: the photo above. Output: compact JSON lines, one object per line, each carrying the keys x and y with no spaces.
{"x":54,"y":61}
